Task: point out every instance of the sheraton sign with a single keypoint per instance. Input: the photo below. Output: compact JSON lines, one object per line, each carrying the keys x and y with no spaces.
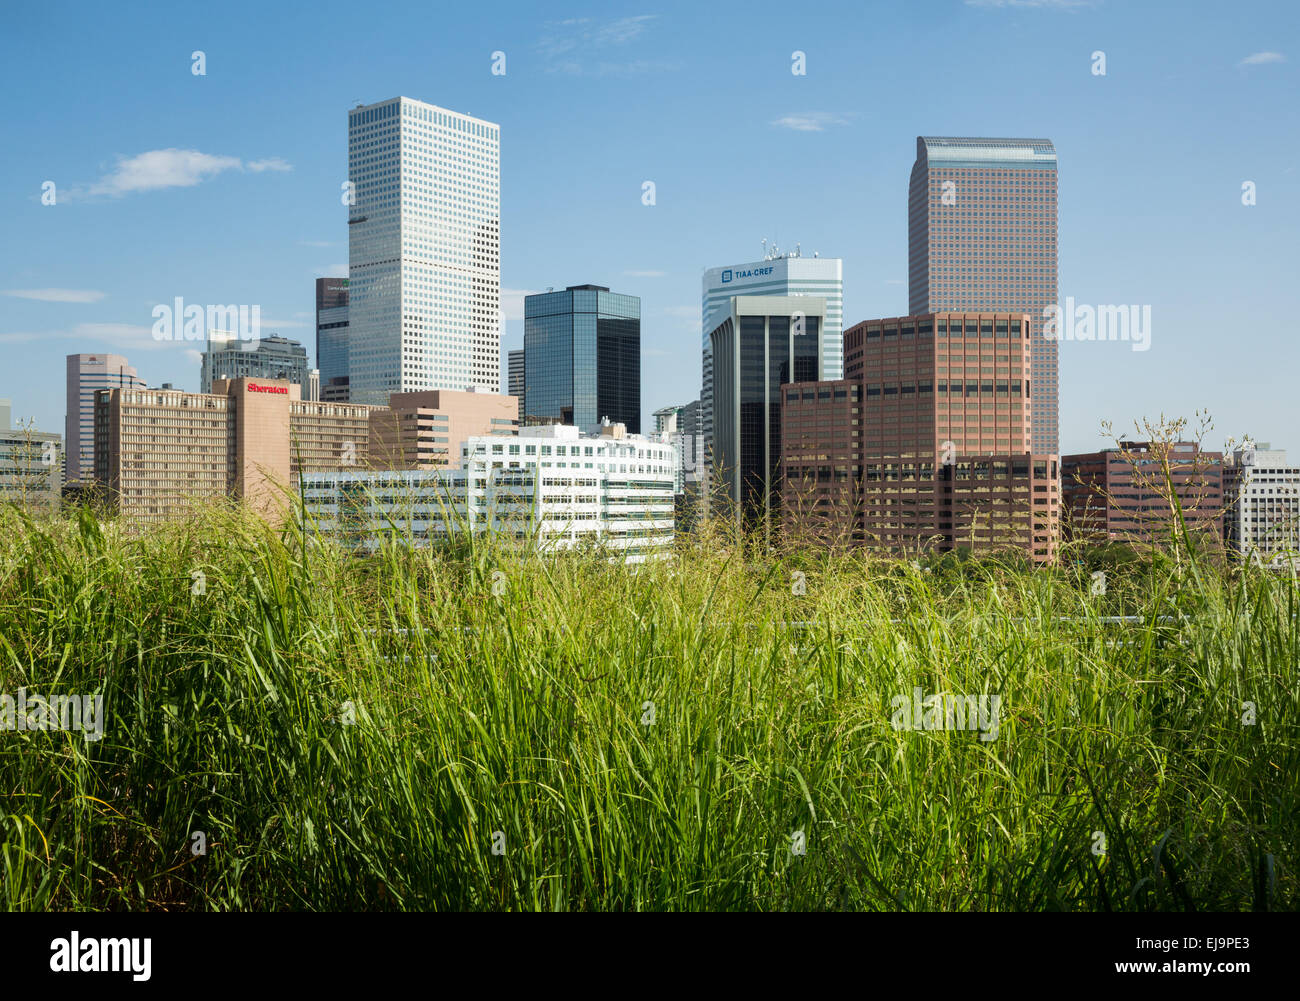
{"x":254,"y":387}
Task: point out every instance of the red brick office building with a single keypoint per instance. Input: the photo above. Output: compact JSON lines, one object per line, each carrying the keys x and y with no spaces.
{"x":1121,"y":494}
{"x":924,"y":445}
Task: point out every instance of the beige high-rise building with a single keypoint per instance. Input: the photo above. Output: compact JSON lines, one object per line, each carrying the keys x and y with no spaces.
{"x":159,"y":452}
{"x":427,"y":429}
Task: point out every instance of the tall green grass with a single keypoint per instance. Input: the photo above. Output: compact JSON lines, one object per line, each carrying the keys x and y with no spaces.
{"x":526,"y":713}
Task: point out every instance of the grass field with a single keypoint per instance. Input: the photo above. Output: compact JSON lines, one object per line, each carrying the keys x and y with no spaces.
{"x":474,"y":729}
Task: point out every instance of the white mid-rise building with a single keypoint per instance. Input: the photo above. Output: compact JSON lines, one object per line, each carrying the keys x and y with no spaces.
{"x":781,"y":275}
{"x":1261,"y":505}
{"x":424,"y":250}
{"x":552,"y":487}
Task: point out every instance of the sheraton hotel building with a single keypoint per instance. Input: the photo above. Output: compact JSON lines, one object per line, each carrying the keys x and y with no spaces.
{"x":159,"y":451}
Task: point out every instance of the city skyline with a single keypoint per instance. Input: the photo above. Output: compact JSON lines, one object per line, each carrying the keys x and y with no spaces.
{"x":180,"y":203}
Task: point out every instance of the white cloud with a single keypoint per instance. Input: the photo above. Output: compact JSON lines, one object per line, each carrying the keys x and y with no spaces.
{"x":568,"y":46}
{"x":270,"y":163}
{"x":583,"y":32}
{"x":333,"y":271}
{"x":170,"y":168}
{"x":1262,"y":58}
{"x":123,"y":335}
{"x":127,"y":337}
{"x":622,"y":29}
{"x":55,"y":294}
{"x":812,"y":121}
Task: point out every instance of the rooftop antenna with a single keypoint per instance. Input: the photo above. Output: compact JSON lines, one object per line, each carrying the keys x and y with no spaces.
{"x":764,"y":242}
{"x":796,"y":249}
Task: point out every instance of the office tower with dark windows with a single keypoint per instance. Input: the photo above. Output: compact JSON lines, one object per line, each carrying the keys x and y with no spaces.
{"x":982,"y":219}
{"x":332,"y":338}
{"x":582,"y":357}
{"x":778,"y":273}
{"x":272,"y":357}
{"x":85,"y":375}
{"x":760,"y":344}
{"x":515,"y":376}
{"x":424,"y":290}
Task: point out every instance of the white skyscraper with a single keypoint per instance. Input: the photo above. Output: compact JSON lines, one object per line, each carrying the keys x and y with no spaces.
{"x":777,"y":274}
{"x":423,"y":250}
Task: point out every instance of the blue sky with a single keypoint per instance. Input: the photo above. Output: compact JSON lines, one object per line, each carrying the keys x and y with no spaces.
{"x":1197,"y":99}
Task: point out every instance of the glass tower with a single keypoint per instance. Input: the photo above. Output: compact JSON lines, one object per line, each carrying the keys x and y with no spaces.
{"x":423,"y":250}
{"x":332,"y":338}
{"x":982,"y":236}
{"x":582,"y":357}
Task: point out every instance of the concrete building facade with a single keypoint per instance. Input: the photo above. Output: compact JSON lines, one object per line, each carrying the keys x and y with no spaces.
{"x":31,"y":464}
{"x":86,"y":375}
{"x":270,"y":357}
{"x":550,"y":488}
{"x":160,"y":452}
{"x":1261,"y":506}
{"x":428,"y":430}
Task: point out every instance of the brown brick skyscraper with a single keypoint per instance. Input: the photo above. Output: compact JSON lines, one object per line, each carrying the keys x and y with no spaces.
{"x":982,"y":236}
{"x":938,"y":451}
